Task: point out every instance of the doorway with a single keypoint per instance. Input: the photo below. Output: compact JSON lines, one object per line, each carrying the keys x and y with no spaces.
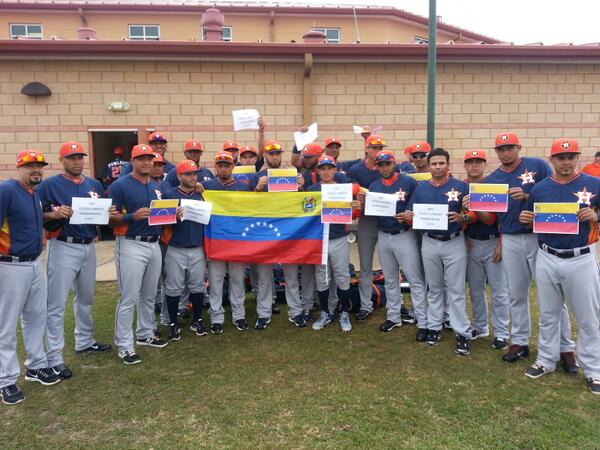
{"x":103,"y":144}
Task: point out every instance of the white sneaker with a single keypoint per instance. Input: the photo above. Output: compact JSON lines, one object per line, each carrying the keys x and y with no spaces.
{"x":345,"y":323}
{"x":323,"y":320}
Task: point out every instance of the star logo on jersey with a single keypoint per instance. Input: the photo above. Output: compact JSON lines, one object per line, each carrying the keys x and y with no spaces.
{"x":584,"y":196}
{"x":527,"y":177}
{"x":93,"y":194}
{"x":452,"y":195}
{"x":401,"y":195}
{"x":158,"y":194}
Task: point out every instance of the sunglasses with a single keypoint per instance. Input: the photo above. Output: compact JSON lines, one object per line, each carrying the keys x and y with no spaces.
{"x":272,"y":147}
{"x":32,"y":158}
{"x":419,"y":155}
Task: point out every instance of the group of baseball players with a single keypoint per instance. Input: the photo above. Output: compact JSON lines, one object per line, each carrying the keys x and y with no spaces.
{"x":482,"y":248}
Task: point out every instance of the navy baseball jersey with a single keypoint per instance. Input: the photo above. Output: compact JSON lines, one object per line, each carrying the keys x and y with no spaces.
{"x":525,"y":174}
{"x":217,"y":185}
{"x":21,"y":220}
{"x":364,"y":174}
{"x":112,"y":171}
{"x":450,"y":192}
{"x":406,"y":167}
{"x":59,"y":190}
{"x":130,"y":194}
{"x":202,"y":175}
{"x":311,"y":178}
{"x":336,"y":230}
{"x":187,"y":233}
{"x":344,"y":166}
{"x":128,"y":168}
{"x":400,"y":185}
{"x":584,"y":189}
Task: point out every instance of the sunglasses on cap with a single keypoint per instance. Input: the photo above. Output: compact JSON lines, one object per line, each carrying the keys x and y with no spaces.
{"x":224,"y":158}
{"x":32,"y":158}
{"x":271,"y":147}
{"x":419,"y":155}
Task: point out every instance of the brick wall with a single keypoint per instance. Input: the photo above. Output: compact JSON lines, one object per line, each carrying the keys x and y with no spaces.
{"x":194,"y":100}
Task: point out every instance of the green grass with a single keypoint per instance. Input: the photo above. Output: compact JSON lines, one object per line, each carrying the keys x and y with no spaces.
{"x":291,"y":388}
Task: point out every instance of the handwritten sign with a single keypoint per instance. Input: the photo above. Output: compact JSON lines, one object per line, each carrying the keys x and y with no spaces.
{"x":196,"y":210}
{"x":245,"y":119}
{"x":378,"y":204}
{"x":337,"y":192}
{"x":307,"y":137}
{"x":90,"y":211}
{"x":430,"y":216}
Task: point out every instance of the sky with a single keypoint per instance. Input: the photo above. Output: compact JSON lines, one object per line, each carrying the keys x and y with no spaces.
{"x":517,"y":21}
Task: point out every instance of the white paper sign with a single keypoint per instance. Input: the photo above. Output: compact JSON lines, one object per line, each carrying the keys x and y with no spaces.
{"x":196,"y":210}
{"x":245,"y":119}
{"x":90,"y":211}
{"x":378,"y":204}
{"x":337,"y":192}
{"x":306,"y":138}
{"x":430,"y":216}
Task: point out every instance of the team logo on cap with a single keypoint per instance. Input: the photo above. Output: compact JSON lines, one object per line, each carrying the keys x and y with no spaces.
{"x":566,"y":145}
{"x":474,"y":153}
{"x":144,"y":148}
{"x":308,"y":204}
{"x":418,"y":146}
{"x":73,"y":146}
{"x":504,"y":137}
{"x":192,"y":164}
{"x":452,"y":195}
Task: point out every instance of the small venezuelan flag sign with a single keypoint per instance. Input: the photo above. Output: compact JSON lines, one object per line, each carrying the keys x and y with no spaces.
{"x":163,"y":212}
{"x":282,"y":180}
{"x":488,"y":197}
{"x":244,"y":173}
{"x":336,"y":212}
{"x":425,"y":176}
{"x":556,"y":218}
{"x":244,"y":169}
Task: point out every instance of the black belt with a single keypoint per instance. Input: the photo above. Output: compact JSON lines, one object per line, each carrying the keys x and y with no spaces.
{"x":72,"y":240}
{"x":17,"y":259}
{"x":142,"y":238}
{"x":394,"y":233}
{"x":443,"y":237}
{"x":485,"y":237}
{"x":565,"y":253}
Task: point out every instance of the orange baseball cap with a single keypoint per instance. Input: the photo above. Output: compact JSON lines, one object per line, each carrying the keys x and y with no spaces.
{"x":118,"y":150}
{"x":224,"y":157}
{"x":564,"y":145}
{"x":230,"y":145}
{"x":333,"y":140}
{"x":142,"y":150}
{"x":375,"y":140}
{"x":385,"y":156}
{"x":29,"y":157}
{"x":71,"y":148}
{"x":420,"y":147}
{"x":158,"y":158}
{"x":475,"y":154}
{"x":248,"y":148}
{"x":193,"y":145}
{"x":312,"y":150}
{"x":157,"y":137}
{"x":506,"y":138}
{"x":273,"y":146}
{"x":186,"y":166}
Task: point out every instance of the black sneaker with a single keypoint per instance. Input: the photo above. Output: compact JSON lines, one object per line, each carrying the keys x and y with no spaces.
{"x":199,"y":328}
{"x":569,"y":363}
{"x":476,"y":334}
{"x":308,"y":317}
{"x":434,"y":337}
{"x":388,"y":325}
{"x":130,"y":357}
{"x":262,"y":323}
{"x":516,"y":352}
{"x":45,"y":376}
{"x":96,"y":347}
{"x":275,"y":309}
{"x":62,"y":371}
{"x":536,"y":370}
{"x":594,"y":385}
{"x":216,"y":328}
{"x":174,"y":333}
{"x":406,"y":316}
{"x":447,"y":325}
{"x":499,"y":343}
{"x":241,"y":324}
{"x":363,"y":314}
{"x":422,"y":334}
{"x":11,"y":395}
{"x":298,"y":321}
{"x":462,"y":345}
{"x":152,"y":342}
{"x":184,"y":313}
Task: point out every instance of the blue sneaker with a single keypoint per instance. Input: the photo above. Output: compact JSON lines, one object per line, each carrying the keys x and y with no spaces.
{"x":345,"y":323}
{"x":298,"y":321}
{"x":308,"y":317}
{"x":324,"y":319}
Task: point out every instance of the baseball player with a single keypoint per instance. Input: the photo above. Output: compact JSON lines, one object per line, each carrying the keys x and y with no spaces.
{"x":218,"y":269}
{"x":566,"y":266}
{"x":519,"y":245}
{"x":338,"y":259}
{"x":71,"y":257}
{"x":333,"y":146}
{"x":406,"y":166}
{"x":593,"y":168}
{"x":485,"y":253}
{"x":23,"y":293}
{"x":443,"y":251}
{"x":158,"y":142}
{"x":137,"y":255}
{"x":418,"y":156}
{"x":112,"y":170}
{"x":399,"y":248}
{"x":184,"y":262}
{"x":273,"y":157}
{"x":192,"y":151}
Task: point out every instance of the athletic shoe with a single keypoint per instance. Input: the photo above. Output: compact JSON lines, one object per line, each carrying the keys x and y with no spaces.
{"x":422,"y":334}
{"x":152,"y":342}
{"x":434,"y":337}
{"x":447,"y":325}
{"x":174,"y":333}
{"x":298,"y":321}
{"x":11,"y":395}
{"x":568,"y":363}
{"x":594,"y":385}
{"x":275,"y":309}
{"x":516,"y":352}
{"x":388,"y":326}
{"x":345,"y":323}
{"x":241,"y":324}
{"x":157,"y":308}
{"x":62,"y":371}
{"x":45,"y":376}
{"x":308,"y":317}
{"x":406,"y":316}
{"x":199,"y":328}
{"x":476,"y":334}
{"x":462,"y":345}
{"x":96,"y":347}
{"x":130,"y":357}
{"x":323,"y":320}
{"x":216,"y":328}
{"x":363,"y":314}
{"x":184,"y":313}
{"x":499,"y":343}
{"x":262,"y":323}
{"x":536,"y":370}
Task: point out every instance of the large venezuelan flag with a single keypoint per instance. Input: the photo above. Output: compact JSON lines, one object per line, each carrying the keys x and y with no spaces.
{"x":266,"y":227}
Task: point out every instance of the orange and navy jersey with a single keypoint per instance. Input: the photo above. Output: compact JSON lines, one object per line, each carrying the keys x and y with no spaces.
{"x":400,"y":185}
{"x":21,"y":220}
{"x":583,"y":189}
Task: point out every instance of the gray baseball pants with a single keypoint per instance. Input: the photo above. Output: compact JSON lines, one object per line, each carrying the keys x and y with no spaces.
{"x":366,"y":235}
{"x":216,"y":276}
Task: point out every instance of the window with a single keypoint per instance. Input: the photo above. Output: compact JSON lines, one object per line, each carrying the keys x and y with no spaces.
{"x":144,"y":32}
{"x":420,"y":40}
{"x":31,"y":31}
{"x":226,"y":34}
{"x":332,"y":34}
